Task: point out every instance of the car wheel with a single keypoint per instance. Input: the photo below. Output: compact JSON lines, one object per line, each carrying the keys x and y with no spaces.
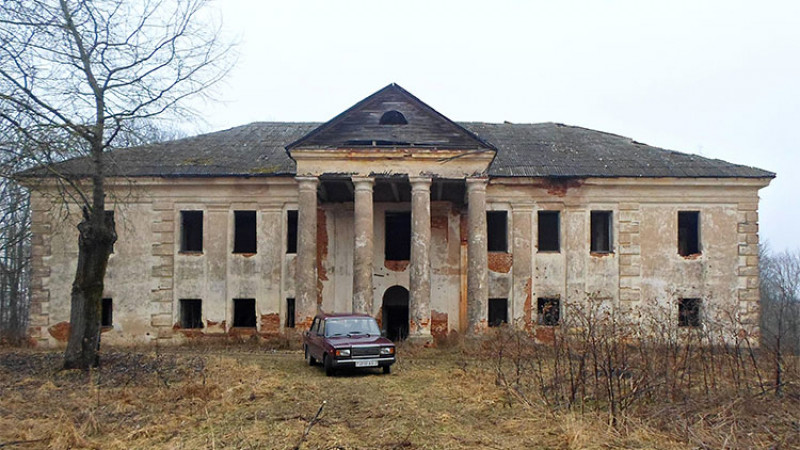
{"x":387,"y":369}
{"x":309,"y":359}
{"x":328,"y":365}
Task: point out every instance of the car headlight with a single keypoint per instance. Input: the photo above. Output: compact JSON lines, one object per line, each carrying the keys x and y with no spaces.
{"x":387,"y":350}
{"x":343,"y":352}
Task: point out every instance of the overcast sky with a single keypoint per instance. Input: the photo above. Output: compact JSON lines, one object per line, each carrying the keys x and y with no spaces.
{"x":717,"y":78}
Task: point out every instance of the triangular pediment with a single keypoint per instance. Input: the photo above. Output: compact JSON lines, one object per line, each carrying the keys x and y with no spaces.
{"x":391,"y":118}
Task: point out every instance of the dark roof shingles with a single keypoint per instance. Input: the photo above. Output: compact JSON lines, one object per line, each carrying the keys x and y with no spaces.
{"x":523,"y":150}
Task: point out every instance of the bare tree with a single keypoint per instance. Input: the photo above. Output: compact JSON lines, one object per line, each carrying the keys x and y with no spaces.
{"x":780,"y":308}
{"x":14,"y":261}
{"x":78,"y":76}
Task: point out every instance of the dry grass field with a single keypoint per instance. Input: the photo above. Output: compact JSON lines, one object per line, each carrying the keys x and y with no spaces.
{"x":248,"y":396}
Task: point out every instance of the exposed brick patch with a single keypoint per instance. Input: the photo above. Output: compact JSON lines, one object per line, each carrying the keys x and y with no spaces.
{"x":559,"y":187}
{"x":60,"y":331}
{"x":528,"y":306}
{"x":414,"y":327}
{"x":270,"y":323}
{"x":396,"y":266}
{"x":438,"y":324}
{"x":303,"y":325}
{"x":481,"y":327}
{"x":500,"y":262}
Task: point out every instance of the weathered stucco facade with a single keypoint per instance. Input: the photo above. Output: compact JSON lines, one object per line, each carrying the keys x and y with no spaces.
{"x":321,"y":231}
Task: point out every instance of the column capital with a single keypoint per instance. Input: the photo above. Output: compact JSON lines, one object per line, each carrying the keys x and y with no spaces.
{"x":477,"y":183}
{"x":363,"y":183}
{"x":420,"y":183}
{"x":307,"y":183}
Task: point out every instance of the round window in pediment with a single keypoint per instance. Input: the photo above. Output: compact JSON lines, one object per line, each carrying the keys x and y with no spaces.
{"x":393,"y":118}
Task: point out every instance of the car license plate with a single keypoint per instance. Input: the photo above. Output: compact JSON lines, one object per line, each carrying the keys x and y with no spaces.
{"x":366,"y":363}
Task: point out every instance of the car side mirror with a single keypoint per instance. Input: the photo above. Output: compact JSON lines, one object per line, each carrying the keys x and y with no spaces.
{"x":383,"y":333}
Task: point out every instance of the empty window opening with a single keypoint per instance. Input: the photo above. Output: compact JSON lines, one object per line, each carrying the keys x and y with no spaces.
{"x":393,"y":118}
{"x":548,"y":311}
{"x":497,"y":231}
{"x":191,"y":313}
{"x":689,"y":312}
{"x":398,"y":236}
{"x":244,"y":312}
{"x":191,"y":231}
{"x":291,"y":231}
{"x":549,"y":231}
{"x":498,"y":311}
{"x":601,"y":232}
{"x":688,"y":233}
{"x":244,"y":240}
{"x":107,"y":313}
{"x":289,"y":313}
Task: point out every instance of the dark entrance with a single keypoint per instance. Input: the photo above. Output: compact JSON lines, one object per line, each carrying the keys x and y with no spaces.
{"x":395,"y":313}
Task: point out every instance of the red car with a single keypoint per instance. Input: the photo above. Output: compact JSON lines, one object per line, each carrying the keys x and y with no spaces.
{"x":347,"y":340}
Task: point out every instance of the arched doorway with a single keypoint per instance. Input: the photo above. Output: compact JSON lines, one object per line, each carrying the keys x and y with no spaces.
{"x":395,"y":313}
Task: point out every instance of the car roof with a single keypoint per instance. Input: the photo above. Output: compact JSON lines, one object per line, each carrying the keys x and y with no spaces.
{"x":342,"y":315}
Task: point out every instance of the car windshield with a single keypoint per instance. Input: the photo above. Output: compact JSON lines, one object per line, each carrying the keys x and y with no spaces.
{"x":351,"y":326}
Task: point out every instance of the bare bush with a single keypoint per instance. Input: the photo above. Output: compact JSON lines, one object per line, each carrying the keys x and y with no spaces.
{"x":635,"y":366}
{"x":780,"y":310}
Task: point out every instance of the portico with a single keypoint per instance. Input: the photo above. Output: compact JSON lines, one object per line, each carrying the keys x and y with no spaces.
{"x":374,"y":141}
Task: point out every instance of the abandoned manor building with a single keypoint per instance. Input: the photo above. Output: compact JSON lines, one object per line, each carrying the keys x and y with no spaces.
{"x":390,"y":208}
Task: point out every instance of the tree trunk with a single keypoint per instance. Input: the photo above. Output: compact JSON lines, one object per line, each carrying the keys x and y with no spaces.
{"x":96,"y":239}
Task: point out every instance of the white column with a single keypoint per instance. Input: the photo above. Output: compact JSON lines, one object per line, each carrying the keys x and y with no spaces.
{"x":420,"y":264}
{"x":363,"y":245}
{"x":478,"y":257}
{"x":306,"y":262}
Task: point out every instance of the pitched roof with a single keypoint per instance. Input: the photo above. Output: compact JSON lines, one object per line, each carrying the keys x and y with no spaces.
{"x":523,"y":150}
{"x":391,"y":116}
{"x":558,"y":150}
